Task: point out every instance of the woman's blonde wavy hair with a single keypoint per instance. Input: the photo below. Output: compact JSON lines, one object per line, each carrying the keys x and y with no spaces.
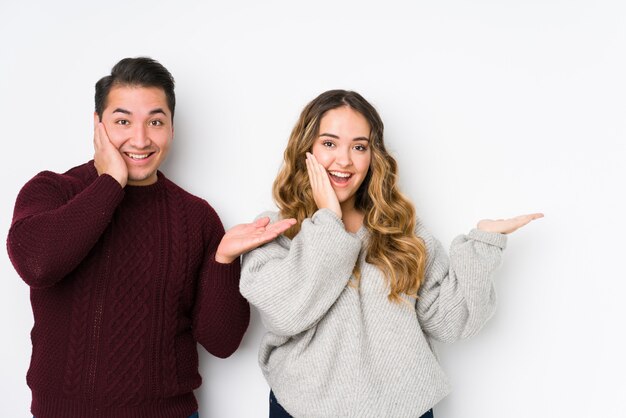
{"x":389,"y":216}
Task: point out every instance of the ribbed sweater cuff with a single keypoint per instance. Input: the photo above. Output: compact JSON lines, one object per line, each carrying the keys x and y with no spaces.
{"x":109,"y":179}
{"x":491,"y":238}
{"x":108,"y":186}
{"x":326,"y":215}
{"x":221,"y":271}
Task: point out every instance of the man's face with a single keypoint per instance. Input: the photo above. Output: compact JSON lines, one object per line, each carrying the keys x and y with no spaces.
{"x":139,"y":124}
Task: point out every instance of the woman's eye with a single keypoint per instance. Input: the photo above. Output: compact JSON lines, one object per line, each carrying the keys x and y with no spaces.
{"x":327,"y":144}
{"x":360,"y":147}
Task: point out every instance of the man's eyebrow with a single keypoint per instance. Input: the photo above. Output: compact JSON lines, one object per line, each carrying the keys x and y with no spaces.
{"x":358,"y":138}
{"x":152,"y":112}
{"x":159,"y":110}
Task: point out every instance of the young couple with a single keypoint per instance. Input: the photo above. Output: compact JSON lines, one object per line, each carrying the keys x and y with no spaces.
{"x":128,"y":272}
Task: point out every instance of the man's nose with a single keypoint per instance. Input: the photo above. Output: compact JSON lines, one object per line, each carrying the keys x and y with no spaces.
{"x":140,"y":138}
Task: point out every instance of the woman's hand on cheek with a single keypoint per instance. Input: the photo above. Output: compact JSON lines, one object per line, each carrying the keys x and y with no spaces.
{"x":323,"y":193}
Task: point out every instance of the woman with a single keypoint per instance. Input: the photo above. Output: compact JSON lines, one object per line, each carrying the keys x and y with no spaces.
{"x":355,"y":292}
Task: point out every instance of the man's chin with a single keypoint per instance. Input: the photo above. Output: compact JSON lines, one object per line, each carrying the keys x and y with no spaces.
{"x":141,"y":179}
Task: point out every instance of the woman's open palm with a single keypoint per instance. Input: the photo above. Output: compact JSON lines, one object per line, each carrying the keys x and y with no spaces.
{"x":506,"y":226}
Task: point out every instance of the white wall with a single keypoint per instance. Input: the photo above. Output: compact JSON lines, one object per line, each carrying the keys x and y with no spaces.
{"x":493,"y":108}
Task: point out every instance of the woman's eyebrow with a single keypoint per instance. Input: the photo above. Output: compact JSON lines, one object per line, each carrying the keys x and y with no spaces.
{"x":358,"y":138}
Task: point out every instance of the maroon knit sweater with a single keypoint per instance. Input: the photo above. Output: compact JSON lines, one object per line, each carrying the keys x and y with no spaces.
{"x":123,"y":284}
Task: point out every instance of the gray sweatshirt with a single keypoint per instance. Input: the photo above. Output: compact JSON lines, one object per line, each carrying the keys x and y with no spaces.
{"x":337,"y":350}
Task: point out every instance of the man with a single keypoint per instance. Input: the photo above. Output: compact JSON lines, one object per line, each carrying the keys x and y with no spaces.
{"x":127,"y":270}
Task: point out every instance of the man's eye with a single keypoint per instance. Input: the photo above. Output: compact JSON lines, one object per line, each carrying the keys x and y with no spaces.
{"x":156,"y":123}
{"x":122,"y":122}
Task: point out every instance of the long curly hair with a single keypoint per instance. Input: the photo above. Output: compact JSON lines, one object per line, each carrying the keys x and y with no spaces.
{"x":389,"y":218}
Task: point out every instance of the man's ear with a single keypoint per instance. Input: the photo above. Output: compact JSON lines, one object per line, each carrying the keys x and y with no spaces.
{"x":96,"y":118}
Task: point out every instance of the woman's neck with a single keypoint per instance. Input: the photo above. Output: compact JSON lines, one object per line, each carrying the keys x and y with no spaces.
{"x":352,"y":219}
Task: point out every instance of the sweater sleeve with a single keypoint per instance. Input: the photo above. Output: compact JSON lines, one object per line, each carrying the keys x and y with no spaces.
{"x":53,"y":229}
{"x":458,"y":296}
{"x":294,"y":283}
{"x":221,"y":315}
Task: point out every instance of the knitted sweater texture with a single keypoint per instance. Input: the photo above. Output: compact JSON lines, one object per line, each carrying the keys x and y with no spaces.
{"x":334,"y":349}
{"x":123,"y":285}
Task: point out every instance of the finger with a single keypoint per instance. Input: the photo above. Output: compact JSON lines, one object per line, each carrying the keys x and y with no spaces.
{"x":281,"y":226}
{"x":262,"y":222}
{"x":319,"y":169}
{"x":518,"y":223}
{"x":104,"y":136}
{"x":96,"y":121}
{"x":96,"y":136}
{"x":525,"y":219}
{"x":322,"y":174}
{"x":264,"y":238}
{"x":103,"y":139}
{"x":315,"y":166}
{"x":276,"y":229}
{"x":98,"y":148}
{"x":289,"y":222}
{"x":309,"y":169}
{"x":314,"y":178}
{"x":530,"y":216}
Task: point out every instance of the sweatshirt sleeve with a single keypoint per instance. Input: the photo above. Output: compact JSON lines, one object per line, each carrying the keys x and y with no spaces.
{"x":458,"y":296}
{"x":294,"y":283}
{"x":221,"y":315}
{"x":53,"y":229}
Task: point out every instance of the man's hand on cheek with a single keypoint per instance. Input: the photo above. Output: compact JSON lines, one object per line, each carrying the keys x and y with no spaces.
{"x":107,"y":158}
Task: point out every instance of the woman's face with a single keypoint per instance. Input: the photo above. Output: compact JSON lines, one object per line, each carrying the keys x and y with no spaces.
{"x":342,"y":147}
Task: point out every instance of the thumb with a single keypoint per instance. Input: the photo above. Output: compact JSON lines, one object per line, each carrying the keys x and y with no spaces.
{"x":261,"y":222}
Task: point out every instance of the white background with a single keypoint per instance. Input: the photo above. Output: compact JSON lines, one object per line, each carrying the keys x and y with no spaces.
{"x":492,"y":108}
